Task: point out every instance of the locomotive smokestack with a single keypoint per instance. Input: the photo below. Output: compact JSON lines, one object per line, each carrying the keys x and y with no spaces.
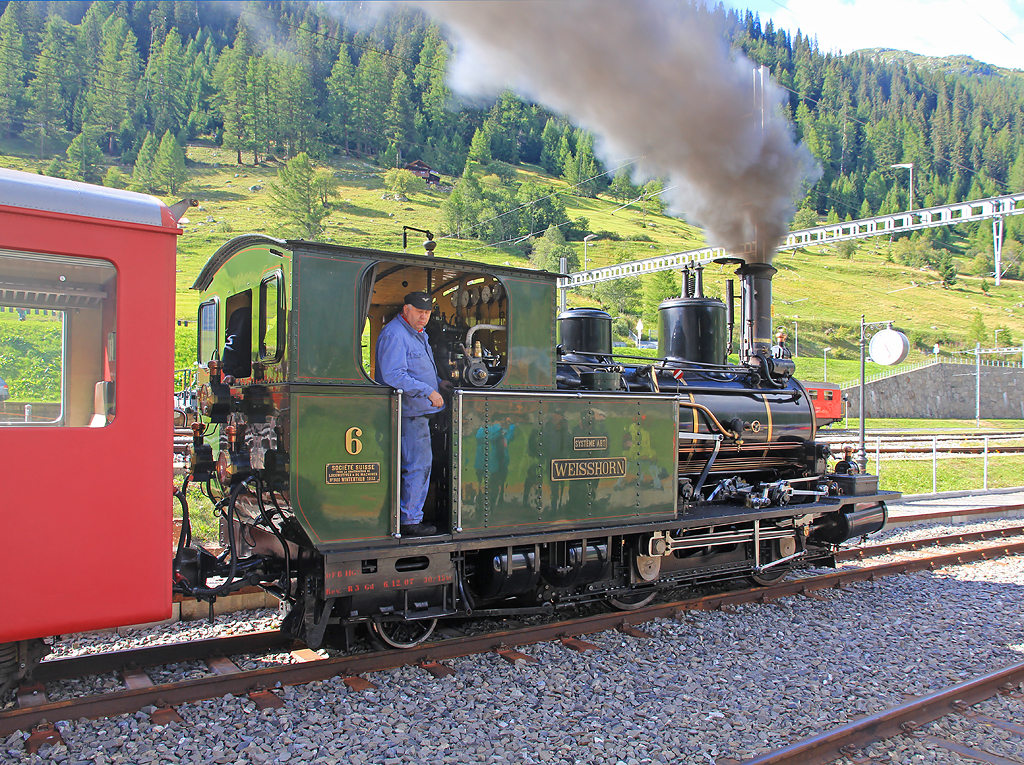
{"x":757,"y":309}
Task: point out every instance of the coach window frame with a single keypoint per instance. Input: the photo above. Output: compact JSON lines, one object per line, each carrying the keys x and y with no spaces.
{"x":80,"y":372}
{"x":277,"y":278}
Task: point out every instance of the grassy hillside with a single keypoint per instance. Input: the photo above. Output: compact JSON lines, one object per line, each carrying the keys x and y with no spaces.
{"x":819,"y":293}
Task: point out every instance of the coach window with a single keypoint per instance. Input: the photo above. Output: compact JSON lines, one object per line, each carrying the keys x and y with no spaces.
{"x":272,"y":324}
{"x":209,"y":330}
{"x":58,"y":324}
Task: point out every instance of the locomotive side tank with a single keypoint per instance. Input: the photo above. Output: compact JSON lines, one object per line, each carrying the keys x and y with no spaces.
{"x":562,"y":472}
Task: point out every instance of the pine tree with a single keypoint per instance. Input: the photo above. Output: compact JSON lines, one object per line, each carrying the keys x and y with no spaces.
{"x":480,"y":148}
{"x":977,"y":332}
{"x":341,"y":98}
{"x":230,"y":100}
{"x":145,"y":163}
{"x":115,"y":179}
{"x":111,"y":98}
{"x":50,"y":90}
{"x":165,"y":91}
{"x":261,"y":109}
{"x":296,"y":197}
{"x":550,"y":249}
{"x":461,"y":210}
{"x":399,"y":119}
{"x":13,"y":66}
{"x":550,"y":141}
{"x":622,"y":187}
{"x":83,"y":157}
{"x":947,"y":269}
{"x":169,"y":167}
{"x":296,"y":105}
{"x":373,"y":93}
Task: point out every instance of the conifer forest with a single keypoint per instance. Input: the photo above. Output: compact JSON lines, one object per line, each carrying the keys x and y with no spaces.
{"x":111,"y":92}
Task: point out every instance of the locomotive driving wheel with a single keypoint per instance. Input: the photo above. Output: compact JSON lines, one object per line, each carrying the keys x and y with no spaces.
{"x":631,"y":601}
{"x":771,"y":551}
{"x":402,"y":634}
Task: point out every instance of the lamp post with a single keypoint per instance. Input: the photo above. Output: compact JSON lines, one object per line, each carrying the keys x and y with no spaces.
{"x":796,"y":336}
{"x":862,"y":456}
{"x":586,"y":241}
{"x":910,"y":166}
{"x":824,"y":357}
{"x":995,"y":340}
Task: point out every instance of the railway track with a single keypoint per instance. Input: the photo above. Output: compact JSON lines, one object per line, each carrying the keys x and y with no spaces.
{"x":37,"y":713}
{"x":909,"y":719}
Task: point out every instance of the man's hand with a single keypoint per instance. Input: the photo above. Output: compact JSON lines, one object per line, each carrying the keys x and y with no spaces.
{"x":435,"y":399}
{"x":446,"y":387}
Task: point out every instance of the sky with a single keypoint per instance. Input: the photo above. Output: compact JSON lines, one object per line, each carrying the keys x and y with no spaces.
{"x":991,"y":31}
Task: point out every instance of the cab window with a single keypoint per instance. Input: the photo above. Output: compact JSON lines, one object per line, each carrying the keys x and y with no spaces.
{"x":272,"y":318}
{"x":209,"y":326}
{"x":236,"y":355}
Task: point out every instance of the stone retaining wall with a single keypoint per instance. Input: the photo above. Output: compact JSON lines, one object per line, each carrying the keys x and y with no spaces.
{"x":944,"y":391}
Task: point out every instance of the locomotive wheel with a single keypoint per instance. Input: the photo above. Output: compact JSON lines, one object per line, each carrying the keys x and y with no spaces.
{"x":773,"y":551}
{"x":402,"y":634}
{"x":770,"y":576}
{"x":632,"y":601}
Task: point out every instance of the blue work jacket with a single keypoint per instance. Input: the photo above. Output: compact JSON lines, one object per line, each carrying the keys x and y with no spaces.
{"x":404,"y":361}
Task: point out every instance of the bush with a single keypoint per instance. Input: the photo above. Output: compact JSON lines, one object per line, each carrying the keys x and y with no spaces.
{"x":577,"y":229}
{"x":846,"y":249}
{"x":805,"y":218}
{"x":402,"y":182}
{"x":639,"y":238}
{"x":503,"y":170}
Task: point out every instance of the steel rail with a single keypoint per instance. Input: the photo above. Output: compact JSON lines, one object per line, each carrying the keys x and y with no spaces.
{"x":870,"y":551}
{"x":904,"y":518}
{"x":250,"y":681}
{"x":167,"y":653}
{"x":992,"y":450}
{"x":831,"y":745}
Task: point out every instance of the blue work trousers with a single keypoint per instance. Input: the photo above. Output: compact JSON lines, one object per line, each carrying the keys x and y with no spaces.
{"x":416,"y":458}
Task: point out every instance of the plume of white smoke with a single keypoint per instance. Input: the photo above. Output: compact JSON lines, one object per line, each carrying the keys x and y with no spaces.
{"x":649,"y":78}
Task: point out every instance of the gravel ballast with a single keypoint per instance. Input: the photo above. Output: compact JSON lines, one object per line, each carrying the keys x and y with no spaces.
{"x":708,"y":686}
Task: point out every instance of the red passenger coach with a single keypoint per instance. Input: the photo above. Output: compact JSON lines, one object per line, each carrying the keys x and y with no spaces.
{"x":827,"y":399}
{"x":87,"y":280}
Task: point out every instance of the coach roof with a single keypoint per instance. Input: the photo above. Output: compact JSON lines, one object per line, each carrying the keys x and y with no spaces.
{"x":57,"y":195}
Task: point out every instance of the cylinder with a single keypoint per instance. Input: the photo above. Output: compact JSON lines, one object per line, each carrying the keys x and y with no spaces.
{"x":692,"y":329}
{"x":836,"y":528}
{"x":585,"y":331}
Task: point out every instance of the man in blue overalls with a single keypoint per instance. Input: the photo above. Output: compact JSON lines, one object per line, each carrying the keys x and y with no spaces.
{"x":404,"y":361}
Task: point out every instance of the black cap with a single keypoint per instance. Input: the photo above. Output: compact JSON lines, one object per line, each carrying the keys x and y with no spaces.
{"x":420,"y":300}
